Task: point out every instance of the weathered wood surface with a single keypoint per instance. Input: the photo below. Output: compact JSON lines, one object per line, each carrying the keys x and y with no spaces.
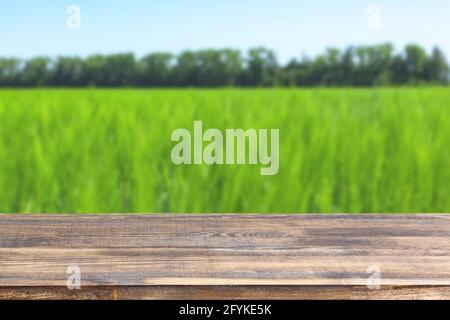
{"x":225,"y":292}
{"x":225,"y":256}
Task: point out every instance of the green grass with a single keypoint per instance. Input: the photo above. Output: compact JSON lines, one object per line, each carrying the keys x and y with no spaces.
{"x":341,"y":150}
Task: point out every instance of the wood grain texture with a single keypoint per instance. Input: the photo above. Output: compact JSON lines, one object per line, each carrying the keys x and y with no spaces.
{"x":210,"y":256}
{"x":226,"y":292}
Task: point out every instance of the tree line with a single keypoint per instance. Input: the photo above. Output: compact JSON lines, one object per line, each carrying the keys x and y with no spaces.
{"x":377,"y":65}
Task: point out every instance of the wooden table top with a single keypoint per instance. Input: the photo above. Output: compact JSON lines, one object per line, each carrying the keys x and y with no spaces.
{"x":225,"y":256}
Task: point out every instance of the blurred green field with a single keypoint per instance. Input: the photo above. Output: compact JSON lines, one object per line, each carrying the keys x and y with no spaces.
{"x":341,"y":150}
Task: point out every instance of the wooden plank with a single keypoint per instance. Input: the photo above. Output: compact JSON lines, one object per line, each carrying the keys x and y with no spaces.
{"x":226,"y":292}
{"x":315,"y":256}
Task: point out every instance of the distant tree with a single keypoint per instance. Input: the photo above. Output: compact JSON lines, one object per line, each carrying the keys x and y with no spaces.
{"x":67,"y":72}
{"x":10,"y":72}
{"x":318,"y":71}
{"x":218,"y":68}
{"x":94,"y":71}
{"x":289,"y":74}
{"x":261,"y":68}
{"x":373,"y":65}
{"x":436,"y":68}
{"x":355,"y":66}
{"x":232,"y":65}
{"x":36,"y":72}
{"x":348,"y":66}
{"x":415,"y":63}
{"x":333,"y":72}
{"x":186,"y":71}
{"x":117,"y":70}
{"x":155,"y":70}
{"x":210,"y":69}
{"x":399,"y":70}
{"x":120,"y":70}
{"x":380,"y":61}
{"x":300,"y":73}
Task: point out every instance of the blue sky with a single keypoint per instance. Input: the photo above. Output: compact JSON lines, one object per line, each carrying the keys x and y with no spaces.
{"x":291,"y":27}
